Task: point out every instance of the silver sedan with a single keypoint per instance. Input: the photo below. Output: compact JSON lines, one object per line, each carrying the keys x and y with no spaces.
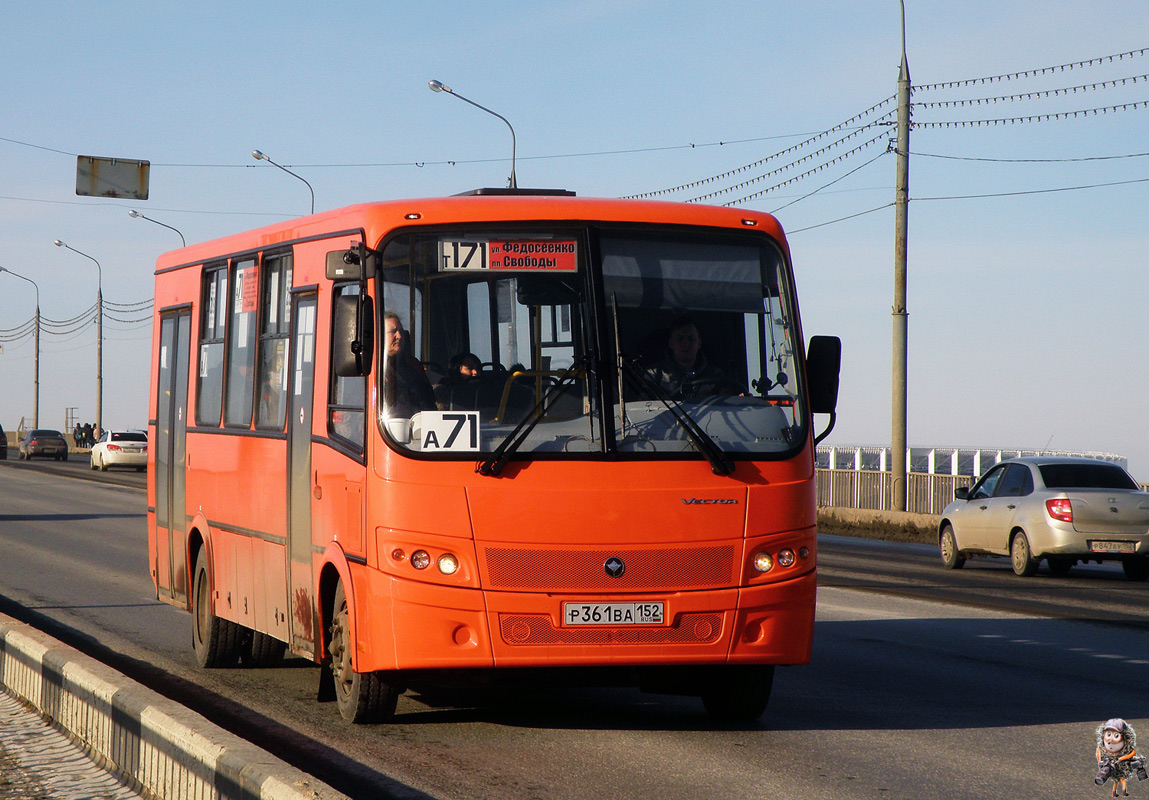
{"x":1063,"y":510}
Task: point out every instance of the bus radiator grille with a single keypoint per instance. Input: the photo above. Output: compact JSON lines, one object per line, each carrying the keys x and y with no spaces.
{"x":535,"y":629}
{"x":584,"y":570}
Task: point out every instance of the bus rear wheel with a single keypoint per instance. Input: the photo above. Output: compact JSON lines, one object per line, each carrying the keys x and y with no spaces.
{"x":362,"y":697}
{"x":260,"y":650}
{"x":216,"y":641}
{"x":739,"y":693}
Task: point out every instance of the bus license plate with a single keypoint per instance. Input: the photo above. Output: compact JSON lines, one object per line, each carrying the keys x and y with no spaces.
{"x":612,"y":613}
{"x":1113,"y":547}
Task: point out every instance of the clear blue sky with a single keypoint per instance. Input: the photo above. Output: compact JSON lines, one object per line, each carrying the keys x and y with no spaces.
{"x":1026,"y":310}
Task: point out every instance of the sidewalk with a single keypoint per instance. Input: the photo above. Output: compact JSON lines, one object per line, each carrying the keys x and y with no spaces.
{"x":38,"y":761}
{"x":98,"y":715}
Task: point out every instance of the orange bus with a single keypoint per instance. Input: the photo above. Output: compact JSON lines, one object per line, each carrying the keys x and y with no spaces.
{"x":511,"y":433}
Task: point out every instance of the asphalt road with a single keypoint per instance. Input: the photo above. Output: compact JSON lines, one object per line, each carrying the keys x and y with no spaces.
{"x":924,"y":683}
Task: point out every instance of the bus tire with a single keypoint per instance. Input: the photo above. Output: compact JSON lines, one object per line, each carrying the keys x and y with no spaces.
{"x":361,"y":697}
{"x":738,"y":693}
{"x":262,"y":651}
{"x":216,"y":641}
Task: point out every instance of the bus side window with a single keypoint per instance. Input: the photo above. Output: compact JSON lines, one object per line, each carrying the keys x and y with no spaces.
{"x":241,"y":342}
{"x":209,"y":391}
{"x":346,"y":416}
{"x":275,"y":327}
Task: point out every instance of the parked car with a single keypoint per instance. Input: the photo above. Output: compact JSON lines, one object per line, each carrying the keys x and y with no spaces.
{"x":3,"y":444}
{"x":1062,"y":510}
{"x":44,"y":442}
{"x":120,"y":449}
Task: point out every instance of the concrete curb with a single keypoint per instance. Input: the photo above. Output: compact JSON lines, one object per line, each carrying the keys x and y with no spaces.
{"x":892,"y":519}
{"x":154,"y":743}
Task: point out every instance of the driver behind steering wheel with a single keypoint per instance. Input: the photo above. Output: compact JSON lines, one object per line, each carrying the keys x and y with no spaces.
{"x":684,"y":372}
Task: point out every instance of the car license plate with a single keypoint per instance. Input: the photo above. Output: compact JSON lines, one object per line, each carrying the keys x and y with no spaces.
{"x":1113,"y":547}
{"x":613,"y":613}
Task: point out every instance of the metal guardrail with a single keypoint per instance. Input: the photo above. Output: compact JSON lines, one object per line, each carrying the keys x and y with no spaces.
{"x":850,"y":488}
{"x":927,"y":493}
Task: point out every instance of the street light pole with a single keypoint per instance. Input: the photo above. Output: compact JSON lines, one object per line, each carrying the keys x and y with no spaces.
{"x":900,"y":313}
{"x":36,"y":369}
{"x":99,"y":333}
{"x":137,"y":215}
{"x":259,"y":156}
{"x":436,"y":86}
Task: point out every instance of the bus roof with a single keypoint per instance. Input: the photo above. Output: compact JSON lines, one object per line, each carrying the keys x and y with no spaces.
{"x":378,"y":218}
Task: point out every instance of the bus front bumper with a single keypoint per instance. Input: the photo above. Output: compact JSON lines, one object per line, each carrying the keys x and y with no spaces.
{"x":424,"y":626}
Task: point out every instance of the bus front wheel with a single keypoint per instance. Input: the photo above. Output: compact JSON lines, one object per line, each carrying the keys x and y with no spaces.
{"x":361,"y":696}
{"x":216,"y":641}
{"x":739,"y":693}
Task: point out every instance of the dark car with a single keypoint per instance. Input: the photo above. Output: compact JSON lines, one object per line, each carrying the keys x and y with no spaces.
{"x":44,"y":442}
{"x":3,"y":444}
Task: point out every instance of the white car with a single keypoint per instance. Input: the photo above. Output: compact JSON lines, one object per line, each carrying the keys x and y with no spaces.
{"x":121,"y":449}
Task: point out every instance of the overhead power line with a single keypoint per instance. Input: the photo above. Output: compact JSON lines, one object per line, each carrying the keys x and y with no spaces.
{"x":1035,"y":191}
{"x":762,"y":161}
{"x":1029,"y":160}
{"x":1033,"y":73}
{"x":1024,"y":96}
{"x":1059,"y":115}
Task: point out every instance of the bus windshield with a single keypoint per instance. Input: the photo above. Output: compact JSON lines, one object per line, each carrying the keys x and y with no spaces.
{"x":633,"y":342}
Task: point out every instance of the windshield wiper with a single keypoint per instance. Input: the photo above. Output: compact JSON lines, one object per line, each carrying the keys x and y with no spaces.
{"x":720,"y":463}
{"x":494,"y":463}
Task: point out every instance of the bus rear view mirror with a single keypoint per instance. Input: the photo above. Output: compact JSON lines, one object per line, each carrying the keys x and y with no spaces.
{"x":344,"y":265}
{"x":353,"y":334}
{"x":823,"y":363}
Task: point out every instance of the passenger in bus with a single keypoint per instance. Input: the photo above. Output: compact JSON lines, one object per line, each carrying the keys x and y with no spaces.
{"x":684,"y":373}
{"x":406,"y":389}
{"x":462,"y":368}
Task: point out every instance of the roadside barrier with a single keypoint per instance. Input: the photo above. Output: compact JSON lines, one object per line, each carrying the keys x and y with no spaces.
{"x":153,"y":743}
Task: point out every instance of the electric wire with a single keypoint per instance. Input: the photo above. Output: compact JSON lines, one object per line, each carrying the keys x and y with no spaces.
{"x":1033,"y":73}
{"x":762,"y":161}
{"x":1013,"y":98}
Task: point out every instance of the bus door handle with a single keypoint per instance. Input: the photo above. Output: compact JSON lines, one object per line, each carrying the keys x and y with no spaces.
{"x":317,"y":490}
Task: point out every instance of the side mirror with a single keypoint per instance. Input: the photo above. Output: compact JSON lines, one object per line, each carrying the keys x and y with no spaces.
{"x":344,"y":265}
{"x":823,"y":365}
{"x":961,"y":493}
{"x":353,"y":335}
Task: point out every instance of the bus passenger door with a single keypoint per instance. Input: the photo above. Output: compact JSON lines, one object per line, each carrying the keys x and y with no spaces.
{"x":170,"y":566}
{"x":304,"y":618}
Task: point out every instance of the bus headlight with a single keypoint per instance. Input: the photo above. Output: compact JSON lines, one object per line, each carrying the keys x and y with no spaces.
{"x":786,"y":558}
{"x":420,"y":559}
{"x":763,"y":562}
{"x":448,"y":564}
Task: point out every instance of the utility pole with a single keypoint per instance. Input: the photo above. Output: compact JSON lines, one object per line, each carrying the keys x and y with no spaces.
{"x":899,"y":311}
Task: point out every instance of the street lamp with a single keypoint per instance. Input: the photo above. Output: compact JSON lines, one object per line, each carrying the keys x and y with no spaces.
{"x":260,"y":156}
{"x":137,"y":215}
{"x":99,"y":333}
{"x":36,"y":372}
{"x":436,"y":86}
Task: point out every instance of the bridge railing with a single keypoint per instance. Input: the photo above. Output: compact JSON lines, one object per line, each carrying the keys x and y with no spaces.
{"x":870,"y":489}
